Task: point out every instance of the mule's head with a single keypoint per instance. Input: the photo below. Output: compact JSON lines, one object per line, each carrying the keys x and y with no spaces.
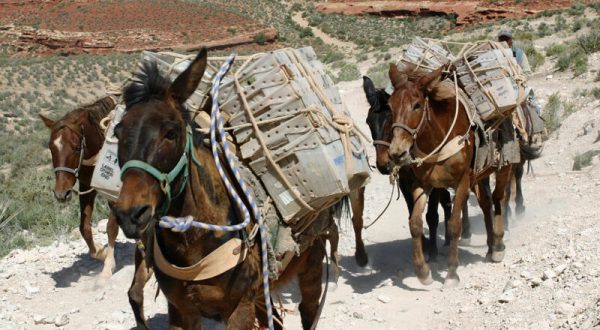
{"x":409,"y":106}
{"x":66,"y":147}
{"x":153,"y":132}
{"x":380,"y":123}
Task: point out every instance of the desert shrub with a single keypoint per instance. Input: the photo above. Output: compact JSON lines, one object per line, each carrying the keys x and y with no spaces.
{"x":306,"y":32}
{"x":332,"y":56}
{"x":595,"y":92}
{"x":556,"y":49}
{"x":577,"y":9}
{"x":551,"y":113}
{"x":579,"y":24}
{"x":543,"y":30}
{"x":583,"y":160}
{"x":560,"y":23}
{"x":535,"y":58}
{"x":590,"y":42}
{"x":348,"y":72}
{"x":379,"y":74}
{"x":260,"y":39}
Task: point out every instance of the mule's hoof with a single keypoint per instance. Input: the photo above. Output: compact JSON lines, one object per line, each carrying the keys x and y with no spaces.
{"x":362,"y":259}
{"x":506,"y":236}
{"x":498,"y":256}
{"x":465,"y":241}
{"x":451,"y":282}
{"x":100,"y":253}
{"x":333,"y":286}
{"x":520,"y":210}
{"x":427,"y":280}
{"x":101,"y":281}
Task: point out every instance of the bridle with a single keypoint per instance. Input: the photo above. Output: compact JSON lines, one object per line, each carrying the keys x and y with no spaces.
{"x":75,"y":171}
{"x":85,"y":162}
{"x":414,"y":131}
{"x":166,"y":179}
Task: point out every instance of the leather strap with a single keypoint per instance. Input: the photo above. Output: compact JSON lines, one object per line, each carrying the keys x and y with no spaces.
{"x":224,"y":258}
{"x":450,"y":149}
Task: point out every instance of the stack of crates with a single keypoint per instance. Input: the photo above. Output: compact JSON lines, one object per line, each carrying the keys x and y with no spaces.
{"x":488,"y":75}
{"x":295,"y":122}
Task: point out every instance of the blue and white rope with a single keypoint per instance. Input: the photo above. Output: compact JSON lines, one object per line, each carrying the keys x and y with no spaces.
{"x":184,"y":223}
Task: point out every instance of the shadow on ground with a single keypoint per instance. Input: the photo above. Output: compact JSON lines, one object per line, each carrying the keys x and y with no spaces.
{"x":86,"y":266}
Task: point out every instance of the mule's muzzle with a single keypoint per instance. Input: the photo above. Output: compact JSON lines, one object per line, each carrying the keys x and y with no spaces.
{"x":401,"y":159}
{"x":63,"y":196}
{"x":384,"y":169}
{"x":133,"y":220}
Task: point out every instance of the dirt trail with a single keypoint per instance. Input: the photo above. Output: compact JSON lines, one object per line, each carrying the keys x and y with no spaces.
{"x":345,"y":45}
{"x":549,"y":278}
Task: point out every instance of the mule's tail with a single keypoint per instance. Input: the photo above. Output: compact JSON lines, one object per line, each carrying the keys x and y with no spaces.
{"x":342,"y":211}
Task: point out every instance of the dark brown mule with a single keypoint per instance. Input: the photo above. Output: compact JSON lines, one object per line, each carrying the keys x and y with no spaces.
{"x":154,"y":131}
{"x":531,"y":147}
{"x":75,"y":141}
{"x":423,"y":114}
{"x":379,"y":120}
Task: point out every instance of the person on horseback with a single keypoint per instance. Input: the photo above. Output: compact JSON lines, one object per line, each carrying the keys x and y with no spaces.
{"x":506,"y":35}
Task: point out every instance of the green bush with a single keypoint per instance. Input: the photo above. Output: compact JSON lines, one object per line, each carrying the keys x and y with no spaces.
{"x":583,"y":160}
{"x":556,"y":49}
{"x":348,"y":72}
{"x":551,"y":113}
{"x":260,"y":39}
{"x":590,"y":42}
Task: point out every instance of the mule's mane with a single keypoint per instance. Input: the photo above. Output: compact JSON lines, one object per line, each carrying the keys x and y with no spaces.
{"x":95,"y":113}
{"x":439,"y":91}
{"x":149,"y":83}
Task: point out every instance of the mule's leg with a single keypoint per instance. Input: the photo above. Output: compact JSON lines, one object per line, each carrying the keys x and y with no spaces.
{"x":112,"y":230}
{"x":503,"y":177}
{"x":333,"y":236}
{"x":357,"y":200}
{"x":309,"y":279}
{"x":261,"y":313}
{"x":136,"y":290}
{"x":466,"y":230}
{"x":243,"y":316}
{"x":484,"y":197}
{"x":176,"y":319}
{"x":455,"y":230}
{"x":446,"y":203}
{"x":416,"y":231}
{"x":406,"y":189}
{"x":86,"y":208}
{"x":519,"y":170}
{"x":433,"y":220}
{"x":507,"y":209}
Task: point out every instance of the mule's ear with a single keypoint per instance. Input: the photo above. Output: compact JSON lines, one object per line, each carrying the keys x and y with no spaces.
{"x":429,"y":81}
{"x":187,"y":82}
{"x":47,"y":121}
{"x":396,"y":77}
{"x":369,"y":87}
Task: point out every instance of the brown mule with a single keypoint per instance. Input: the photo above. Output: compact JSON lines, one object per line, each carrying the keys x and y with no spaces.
{"x":75,"y":141}
{"x":424,"y":115}
{"x":154,"y":131}
{"x":380,"y":124}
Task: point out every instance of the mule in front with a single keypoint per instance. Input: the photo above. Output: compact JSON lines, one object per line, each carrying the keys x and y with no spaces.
{"x":168,"y":170}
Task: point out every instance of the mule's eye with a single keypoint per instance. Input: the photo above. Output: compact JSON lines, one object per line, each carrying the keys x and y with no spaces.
{"x":417,"y":106}
{"x":171,"y":134}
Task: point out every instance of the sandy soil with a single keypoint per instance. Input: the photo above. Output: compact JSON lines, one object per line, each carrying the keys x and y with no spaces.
{"x":550,"y":277}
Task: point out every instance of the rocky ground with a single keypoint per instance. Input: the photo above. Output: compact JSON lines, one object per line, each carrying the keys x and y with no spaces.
{"x":550,"y":277}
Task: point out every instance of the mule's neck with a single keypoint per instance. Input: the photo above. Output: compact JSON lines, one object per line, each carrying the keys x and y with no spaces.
{"x":438,"y":121}
{"x":206,"y":199}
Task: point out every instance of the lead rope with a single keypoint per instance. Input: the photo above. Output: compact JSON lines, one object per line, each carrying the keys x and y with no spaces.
{"x":183,"y":223}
